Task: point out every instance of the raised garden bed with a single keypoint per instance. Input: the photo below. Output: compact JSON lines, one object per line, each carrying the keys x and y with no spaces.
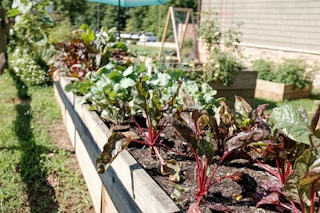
{"x":244,"y":85}
{"x":125,"y":186}
{"x":273,"y":91}
{"x":128,"y":187}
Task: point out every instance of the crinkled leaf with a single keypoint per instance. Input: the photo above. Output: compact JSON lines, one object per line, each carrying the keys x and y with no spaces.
{"x":244,"y":138}
{"x":311,"y":179}
{"x":127,"y":82}
{"x":288,"y":119}
{"x":117,"y":142}
{"x":178,"y":191}
{"x":271,"y":199}
{"x":218,"y":207}
{"x":140,"y":68}
{"x":105,"y":69}
{"x":291,"y":187}
{"x":172,"y":168}
{"x":111,"y":93}
{"x":301,"y":164}
{"x":114,"y":75}
{"x":128,"y":71}
{"x":242,"y":107}
{"x":206,"y":148}
{"x":202,"y":122}
{"x":189,"y":121}
{"x":163,"y":79}
{"x":185,"y":131}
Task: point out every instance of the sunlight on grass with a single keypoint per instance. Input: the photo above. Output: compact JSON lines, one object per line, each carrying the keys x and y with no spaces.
{"x":309,"y":104}
{"x":144,"y":50}
{"x":35,"y":176}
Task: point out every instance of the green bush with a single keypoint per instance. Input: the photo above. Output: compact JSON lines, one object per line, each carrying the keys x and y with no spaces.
{"x":290,"y":71}
{"x":28,"y":70}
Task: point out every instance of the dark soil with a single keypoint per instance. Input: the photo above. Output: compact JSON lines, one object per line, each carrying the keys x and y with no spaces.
{"x":236,"y":196}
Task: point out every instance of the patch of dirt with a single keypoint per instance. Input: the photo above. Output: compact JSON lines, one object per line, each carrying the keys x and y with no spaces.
{"x":59,"y":136}
{"x":235,"y":196}
{"x":60,"y":139}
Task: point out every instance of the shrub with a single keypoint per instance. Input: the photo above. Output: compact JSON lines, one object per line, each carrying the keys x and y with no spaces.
{"x":28,"y":70}
{"x":224,"y":53}
{"x":290,"y":71}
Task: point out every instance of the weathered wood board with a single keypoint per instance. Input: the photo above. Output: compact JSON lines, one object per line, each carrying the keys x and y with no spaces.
{"x":273,"y":91}
{"x":126,"y":186}
{"x":244,"y":85}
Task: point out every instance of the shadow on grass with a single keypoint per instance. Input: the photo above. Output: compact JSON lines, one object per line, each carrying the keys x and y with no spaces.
{"x":258,"y":102}
{"x":41,"y":196}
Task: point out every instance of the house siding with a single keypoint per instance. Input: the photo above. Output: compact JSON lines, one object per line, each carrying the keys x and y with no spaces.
{"x":278,"y":24}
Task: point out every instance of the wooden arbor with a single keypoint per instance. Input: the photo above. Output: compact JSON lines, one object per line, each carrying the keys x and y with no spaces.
{"x":178,"y":40}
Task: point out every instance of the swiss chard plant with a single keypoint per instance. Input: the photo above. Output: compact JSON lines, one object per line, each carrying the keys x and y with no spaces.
{"x":109,"y":90}
{"x":88,"y":51}
{"x":296,"y":155}
{"x":156,"y":94}
{"x":199,"y":130}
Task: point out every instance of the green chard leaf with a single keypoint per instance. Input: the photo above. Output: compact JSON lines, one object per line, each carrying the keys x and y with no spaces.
{"x":288,"y":119}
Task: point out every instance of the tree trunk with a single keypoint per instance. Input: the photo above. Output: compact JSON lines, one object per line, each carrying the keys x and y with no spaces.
{"x":4,"y":28}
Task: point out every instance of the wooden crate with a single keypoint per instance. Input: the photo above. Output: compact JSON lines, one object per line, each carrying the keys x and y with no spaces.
{"x":126,"y":186}
{"x":273,"y":91}
{"x":244,"y":85}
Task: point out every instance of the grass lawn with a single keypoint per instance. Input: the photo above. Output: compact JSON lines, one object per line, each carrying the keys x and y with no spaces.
{"x":150,"y":51}
{"x":309,"y":104}
{"x":36,"y":174}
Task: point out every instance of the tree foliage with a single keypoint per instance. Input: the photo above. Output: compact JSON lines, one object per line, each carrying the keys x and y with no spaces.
{"x":134,"y":19}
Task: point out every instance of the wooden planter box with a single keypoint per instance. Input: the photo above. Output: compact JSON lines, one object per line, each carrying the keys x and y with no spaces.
{"x":125,"y":187}
{"x":272,"y":91}
{"x":244,"y":85}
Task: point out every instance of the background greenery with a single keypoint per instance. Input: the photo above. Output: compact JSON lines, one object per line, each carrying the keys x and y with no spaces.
{"x":134,"y":19}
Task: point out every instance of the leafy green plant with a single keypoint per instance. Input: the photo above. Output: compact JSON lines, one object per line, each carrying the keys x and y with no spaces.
{"x":150,"y":94}
{"x":198,"y":130}
{"x":28,"y":70}
{"x":88,"y":51}
{"x":290,"y":71}
{"x":224,"y":54}
{"x":296,"y":157}
{"x":29,"y":41}
{"x":156,"y":95}
{"x":112,"y":90}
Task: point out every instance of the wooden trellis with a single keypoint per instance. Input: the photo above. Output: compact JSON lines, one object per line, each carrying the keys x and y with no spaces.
{"x":178,"y":41}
